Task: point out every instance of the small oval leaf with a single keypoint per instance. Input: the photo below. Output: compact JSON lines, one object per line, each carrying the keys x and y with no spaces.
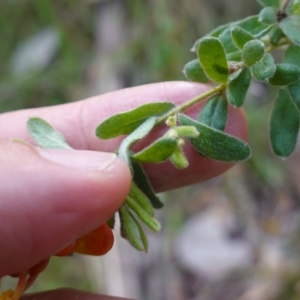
{"x":252,"y":52}
{"x":285,"y":74}
{"x":284,"y":125}
{"x":292,"y":55}
{"x":217,"y":144}
{"x":215,"y":33}
{"x":291,"y":27}
{"x":214,"y":113}
{"x":264,"y":68}
{"x":240,"y":36}
{"x":237,"y":88}
{"x":159,"y":151}
{"x":45,"y":136}
{"x":125,"y":123}
{"x":213,"y":59}
{"x":268,"y":15}
{"x":193,"y":71}
{"x":274,"y":3}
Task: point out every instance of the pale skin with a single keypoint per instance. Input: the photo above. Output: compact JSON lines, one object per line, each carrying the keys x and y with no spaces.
{"x":49,"y":198}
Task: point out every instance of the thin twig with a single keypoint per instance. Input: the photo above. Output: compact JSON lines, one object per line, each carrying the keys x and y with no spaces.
{"x":189,"y":103}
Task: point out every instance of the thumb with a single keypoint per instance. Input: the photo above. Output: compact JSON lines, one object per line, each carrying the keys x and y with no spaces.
{"x":48,"y":198}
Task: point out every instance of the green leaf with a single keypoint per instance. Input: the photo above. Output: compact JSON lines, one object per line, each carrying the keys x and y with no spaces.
{"x":131,"y":230}
{"x":275,"y":35}
{"x":294,"y":90}
{"x":291,"y":27}
{"x":217,"y":144}
{"x":296,"y":7}
{"x":292,"y":55}
{"x":45,"y":136}
{"x":125,"y":123}
{"x":227,"y":41}
{"x":147,"y":219}
{"x":214,"y":113}
{"x":264,"y":68}
{"x":213,"y":60}
{"x":158,"y":151}
{"x":193,"y":71}
{"x":253,"y":25}
{"x":274,"y":3}
{"x":136,"y":135}
{"x":268,"y":15}
{"x":138,"y":196}
{"x":285,"y":74}
{"x":234,"y":56}
{"x":237,"y":88}
{"x":240,"y":36}
{"x":252,"y":52}
{"x":284,"y":124}
{"x":141,"y":180}
{"x":215,"y":33}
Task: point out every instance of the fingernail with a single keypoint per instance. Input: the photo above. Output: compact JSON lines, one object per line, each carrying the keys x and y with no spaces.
{"x":79,"y":159}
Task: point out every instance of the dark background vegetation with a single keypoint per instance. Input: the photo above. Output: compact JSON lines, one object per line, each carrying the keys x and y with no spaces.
{"x":99,"y":46}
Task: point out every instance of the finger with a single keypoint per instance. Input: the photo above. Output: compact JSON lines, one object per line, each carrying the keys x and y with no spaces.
{"x":77,"y":121}
{"x":68,"y":294}
{"x":50,"y":198}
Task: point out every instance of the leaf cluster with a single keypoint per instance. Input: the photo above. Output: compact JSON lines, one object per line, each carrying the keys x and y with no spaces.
{"x":228,"y":58}
{"x":236,"y":53}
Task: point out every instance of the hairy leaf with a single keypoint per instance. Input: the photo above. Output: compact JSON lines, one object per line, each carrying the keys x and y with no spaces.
{"x":213,"y":60}
{"x":274,"y":3}
{"x":252,"y":52}
{"x":292,"y":55}
{"x":291,"y":27}
{"x":214,"y":113}
{"x":264,"y":68}
{"x":217,"y":144}
{"x":234,"y":56}
{"x":137,"y":195}
{"x":45,"y":136}
{"x":294,"y":90}
{"x":143,"y":215}
{"x":193,"y":71}
{"x":141,"y":180}
{"x":284,"y":124}
{"x":158,"y":151}
{"x":268,"y":15}
{"x":285,"y":74}
{"x":215,"y":33}
{"x":125,"y":123}
{"x":240,"y":36}
{"x":131,"y":230}
{"x":237,"y":88}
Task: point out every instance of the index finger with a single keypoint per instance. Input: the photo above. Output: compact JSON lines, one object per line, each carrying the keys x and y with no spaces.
{"x":77,"y":122}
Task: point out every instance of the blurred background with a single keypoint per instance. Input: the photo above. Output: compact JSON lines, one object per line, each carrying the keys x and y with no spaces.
{"x":233,"y":238}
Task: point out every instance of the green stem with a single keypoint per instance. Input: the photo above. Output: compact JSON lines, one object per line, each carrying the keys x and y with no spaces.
{"x":189,"y":103}
{"x":284,"y":6}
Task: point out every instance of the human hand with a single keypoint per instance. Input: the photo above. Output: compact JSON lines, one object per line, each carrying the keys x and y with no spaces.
{"x":50,"y":197}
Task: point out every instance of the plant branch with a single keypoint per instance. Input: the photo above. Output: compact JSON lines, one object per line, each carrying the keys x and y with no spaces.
{"x":284,"y":6}
{"x":189,"y":103}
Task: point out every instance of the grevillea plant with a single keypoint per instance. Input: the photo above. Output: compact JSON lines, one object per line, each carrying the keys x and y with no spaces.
{"x":227,"y":58}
